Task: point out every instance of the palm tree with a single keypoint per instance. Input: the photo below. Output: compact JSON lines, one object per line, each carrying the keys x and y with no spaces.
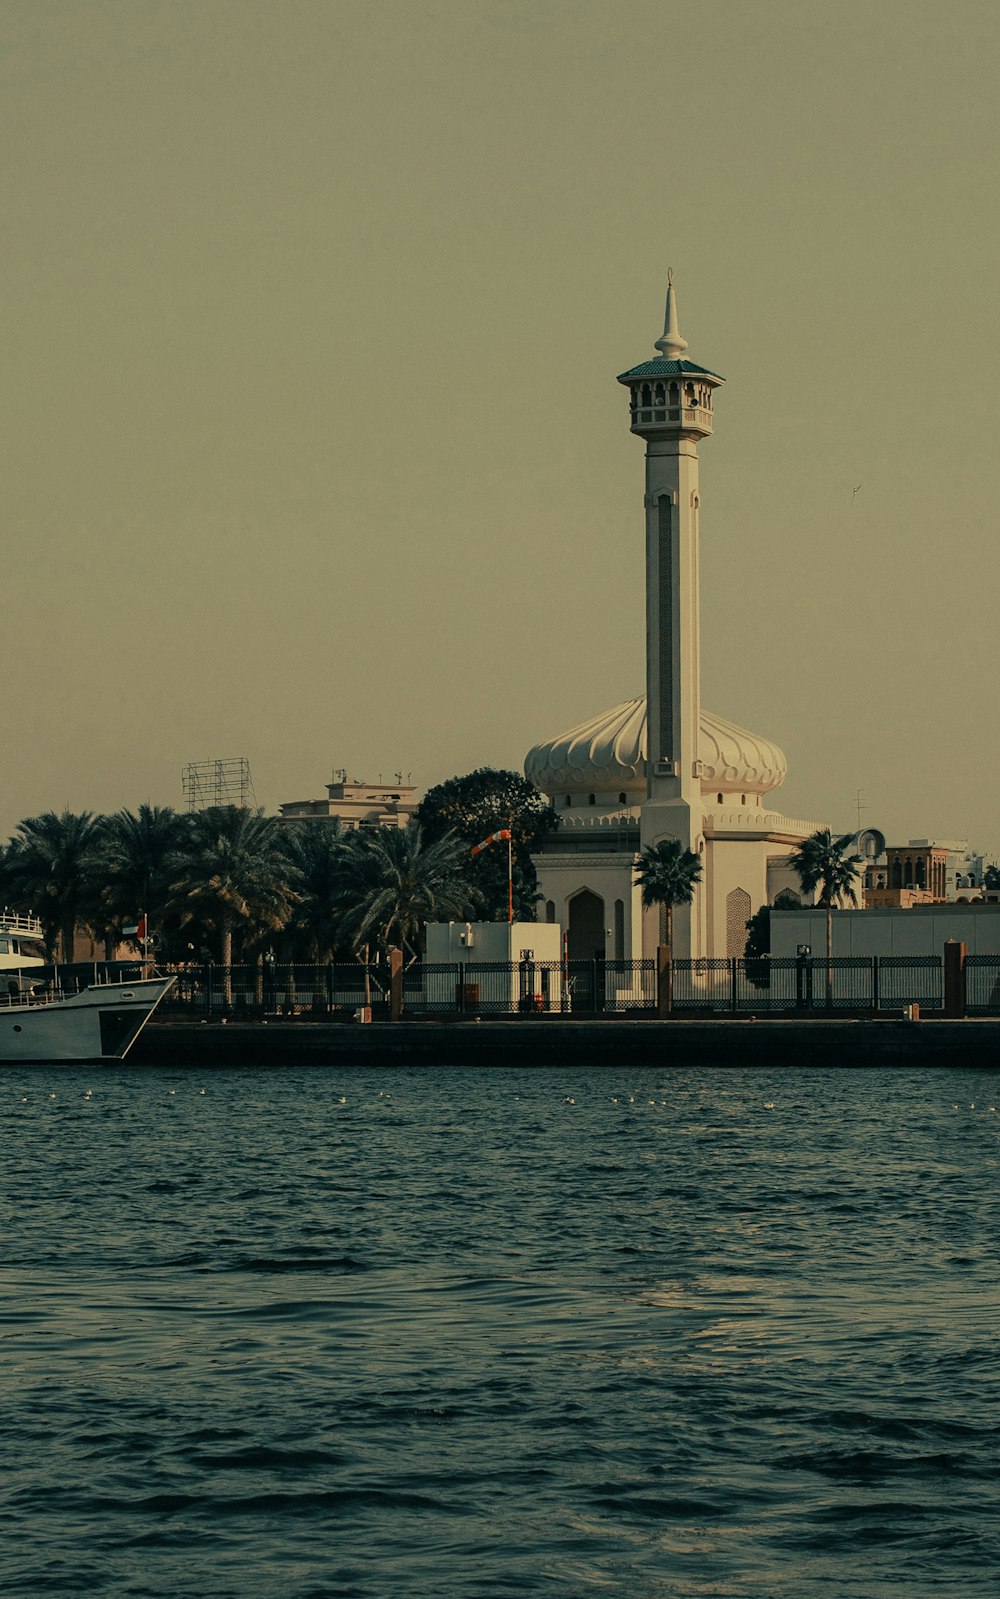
{"x":393,"y":882}
{"x":668,"y":875}
{"x":317,"y":849}
{"x":48,"y":869}
{"x":236,"y":874}
{"x":821,"y":862}
{"x":139,"y":859}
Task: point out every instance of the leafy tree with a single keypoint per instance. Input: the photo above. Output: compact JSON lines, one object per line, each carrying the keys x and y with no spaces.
{"x":821,"y":862}
{"x":48,"y":870}
{"x":668,"y":874}
{"x":236,"y":876}
{"x":991,"y":878}
{"x":394,"y":880}
{"x":476,"y":805}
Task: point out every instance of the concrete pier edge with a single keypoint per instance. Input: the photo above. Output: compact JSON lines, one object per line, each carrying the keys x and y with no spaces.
{"x":615,"y":1044}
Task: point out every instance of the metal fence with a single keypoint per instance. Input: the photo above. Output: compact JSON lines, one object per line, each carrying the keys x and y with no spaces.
{"x":857,"y":985}
{"x":982,"y":985}
{"x":845,"y":983}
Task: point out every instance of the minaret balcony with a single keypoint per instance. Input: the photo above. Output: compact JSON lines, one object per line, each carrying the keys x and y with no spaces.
{"x":671,"y":419}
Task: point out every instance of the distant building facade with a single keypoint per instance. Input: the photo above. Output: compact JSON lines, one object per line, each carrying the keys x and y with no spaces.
{"x":356,"y":804}
{"x":920,"y":930}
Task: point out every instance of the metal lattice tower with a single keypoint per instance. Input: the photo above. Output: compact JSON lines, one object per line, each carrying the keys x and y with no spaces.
{"x":227,"y":782}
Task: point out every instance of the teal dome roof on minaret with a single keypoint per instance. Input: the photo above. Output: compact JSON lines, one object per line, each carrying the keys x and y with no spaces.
{"x":661,"y":368}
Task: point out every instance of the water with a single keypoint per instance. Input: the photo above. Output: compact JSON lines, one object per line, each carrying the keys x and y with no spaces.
{"x":324,"y":1334}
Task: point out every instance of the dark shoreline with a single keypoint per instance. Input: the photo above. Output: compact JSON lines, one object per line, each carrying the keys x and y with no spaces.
{"x":764,"y":1042}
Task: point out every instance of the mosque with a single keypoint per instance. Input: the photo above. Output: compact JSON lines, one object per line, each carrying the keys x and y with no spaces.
{"x":660,"y":766}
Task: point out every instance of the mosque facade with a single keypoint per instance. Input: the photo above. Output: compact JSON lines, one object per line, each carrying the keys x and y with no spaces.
{"x":660,"y":766}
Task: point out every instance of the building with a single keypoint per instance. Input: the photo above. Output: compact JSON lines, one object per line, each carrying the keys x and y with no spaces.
{"x":661,"y":766}
{"x":356,"y":803}
{"x":922,"y":930}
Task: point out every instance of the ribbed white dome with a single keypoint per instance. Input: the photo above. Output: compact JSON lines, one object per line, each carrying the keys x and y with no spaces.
{"x":609,"y":753}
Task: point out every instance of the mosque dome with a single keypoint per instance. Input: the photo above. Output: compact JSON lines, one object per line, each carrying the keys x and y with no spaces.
{"x":608,"y":753}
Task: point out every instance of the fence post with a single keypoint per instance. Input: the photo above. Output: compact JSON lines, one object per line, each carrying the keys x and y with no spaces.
{"x":460,"y":989}
{"x":876,"y":972}
{"x":395,"y":984}
{"x":208,"y":989}
{"x":598,"y":982}
{"x":954,"y":978}
{"x":664,"y":980}
{"x":733,"y":979}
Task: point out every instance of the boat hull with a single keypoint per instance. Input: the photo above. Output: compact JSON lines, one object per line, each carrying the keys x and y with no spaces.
{"x":98,"y":1025}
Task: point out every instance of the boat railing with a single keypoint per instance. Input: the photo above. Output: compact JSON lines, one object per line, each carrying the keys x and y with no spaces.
{"x":40,"y":986}
{"x":36,"y":999}
{"x":16,"y":922}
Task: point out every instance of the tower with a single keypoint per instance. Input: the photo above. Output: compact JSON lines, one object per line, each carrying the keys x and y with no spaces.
{"x":670,"y":405}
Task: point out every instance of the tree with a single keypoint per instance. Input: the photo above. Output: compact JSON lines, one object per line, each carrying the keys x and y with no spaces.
{"x":139,"y":858}
{"x":991,"y":878}
{"x":821,"y":862}
{"x":48,"y":870}
{"x":757,"y":951}
{"x":318,"y":849}
{"x":476,"y":805}
{"x":394,"y":880}
{"x":668,"y":875}
{"x":237,"y":875}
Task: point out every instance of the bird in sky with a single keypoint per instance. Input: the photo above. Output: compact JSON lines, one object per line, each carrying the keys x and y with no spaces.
{"x":857,"y":491}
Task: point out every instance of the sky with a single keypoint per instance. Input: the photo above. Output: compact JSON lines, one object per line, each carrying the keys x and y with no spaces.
{"x":314,"y":454}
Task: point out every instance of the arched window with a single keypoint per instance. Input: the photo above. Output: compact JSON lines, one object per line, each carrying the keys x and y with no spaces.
{"x":718,"y":799}
{"x":569,"y":801}
{"x":550,"y":910}
{"x":623,"y":798}
{"x":743,"y":799}
{"x":591,"y":799}
{"x":646,"y":394}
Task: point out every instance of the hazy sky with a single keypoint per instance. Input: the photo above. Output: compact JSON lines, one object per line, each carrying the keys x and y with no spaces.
{"x":314,"y":453}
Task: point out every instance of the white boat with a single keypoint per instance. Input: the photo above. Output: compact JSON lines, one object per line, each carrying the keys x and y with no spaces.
{"x":101,"y":1023}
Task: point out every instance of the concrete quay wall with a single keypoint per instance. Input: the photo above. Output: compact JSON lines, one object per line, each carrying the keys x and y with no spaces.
{"x":618,"y":1045}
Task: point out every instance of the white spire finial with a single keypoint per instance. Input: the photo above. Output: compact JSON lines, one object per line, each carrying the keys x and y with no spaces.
{"x":671,"y":344}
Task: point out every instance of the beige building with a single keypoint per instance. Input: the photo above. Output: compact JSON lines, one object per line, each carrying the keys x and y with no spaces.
{"x":355,"y":803}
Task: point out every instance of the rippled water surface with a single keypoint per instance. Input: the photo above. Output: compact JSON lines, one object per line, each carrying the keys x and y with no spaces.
{"x":456,"y":1333}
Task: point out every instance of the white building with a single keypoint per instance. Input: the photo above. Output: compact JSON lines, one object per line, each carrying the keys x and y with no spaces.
{"x":661,"y":766}
{"x":506,"y":965}
{"x":918,"y":930}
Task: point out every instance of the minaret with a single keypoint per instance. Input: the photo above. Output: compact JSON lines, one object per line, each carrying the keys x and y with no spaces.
{"x":671,"y":408}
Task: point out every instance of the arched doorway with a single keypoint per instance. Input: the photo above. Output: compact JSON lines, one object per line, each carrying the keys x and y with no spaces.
{"x":585,"y":933}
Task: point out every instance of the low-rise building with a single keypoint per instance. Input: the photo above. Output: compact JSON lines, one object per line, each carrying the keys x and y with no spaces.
{"x":355,"y":803}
